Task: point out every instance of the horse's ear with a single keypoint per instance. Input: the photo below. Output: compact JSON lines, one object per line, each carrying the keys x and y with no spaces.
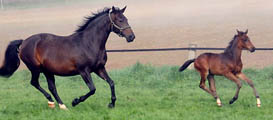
{"x":246,"y":31}
{"x":239,"y":32}
{"x":123,"y":9}
{"x":113,"y":9}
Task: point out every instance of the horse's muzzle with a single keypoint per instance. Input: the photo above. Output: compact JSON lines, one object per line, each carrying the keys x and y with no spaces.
{"x":130,"y":38}
{"x":252,"y":49}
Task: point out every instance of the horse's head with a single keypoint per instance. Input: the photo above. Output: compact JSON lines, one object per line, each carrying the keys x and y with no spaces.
{"x":120,"y":25}
{"x":244,"y":41}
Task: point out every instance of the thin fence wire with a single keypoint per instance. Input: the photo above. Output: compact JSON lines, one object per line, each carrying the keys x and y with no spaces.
{"x":175,"y":49}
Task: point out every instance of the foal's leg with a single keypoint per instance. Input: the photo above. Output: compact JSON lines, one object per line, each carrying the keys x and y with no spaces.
{"x":213,"y":89}
{"x":35,"y":82}
{"x":232,"y":77}
{"x":212,"y":85}
{"x":52,"y":88}
{"x":202,"y":84}
{"x":245,"y":78}
{"x":103,"y":74}
{"x":88,"y":80}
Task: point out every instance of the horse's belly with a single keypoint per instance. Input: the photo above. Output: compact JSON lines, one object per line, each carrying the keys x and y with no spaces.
{"x":60,"y":68}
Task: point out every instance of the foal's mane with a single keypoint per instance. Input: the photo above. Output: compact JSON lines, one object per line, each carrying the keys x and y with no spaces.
{"x":91,"y":18}
{"x":229,"y":48}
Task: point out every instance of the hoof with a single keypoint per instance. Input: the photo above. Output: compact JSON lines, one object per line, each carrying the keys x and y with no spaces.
{"x":51,"y":104}
{"x":218,"y":101}
{"x":232,"y":100}
{"x":63,"y":107}
{"x":111,"y":105}
{"x":75,"y":102}
{"x":258,"y":102}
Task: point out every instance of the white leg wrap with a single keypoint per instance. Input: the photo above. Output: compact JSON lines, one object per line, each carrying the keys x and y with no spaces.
{"x":258,"y":102}
{"x":51,"y":104}
{"x":218,"y":101}
{"x":63,"y":107}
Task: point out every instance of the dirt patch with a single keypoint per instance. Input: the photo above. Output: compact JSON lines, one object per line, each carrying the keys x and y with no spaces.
{"x":157,"y":24}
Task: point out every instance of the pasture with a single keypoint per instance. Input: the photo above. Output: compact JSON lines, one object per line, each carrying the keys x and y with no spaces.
{"x":152,"y":89}
{"x":144,"y":92}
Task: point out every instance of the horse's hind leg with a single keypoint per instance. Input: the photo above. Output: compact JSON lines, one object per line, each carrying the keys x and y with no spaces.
{"x":103,"y":74}
{"x":202,"y":84}
{"x":245,"y":78}
{"x":232,"y":77}
{"x":203,"y":69}
{"x":213,"y":89}
{"x":88,"y":80}
{"x":35,"y":82}
{"x":52,"y":88}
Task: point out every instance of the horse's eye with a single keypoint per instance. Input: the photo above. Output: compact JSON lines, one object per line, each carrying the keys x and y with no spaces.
{"x":120,"y":20}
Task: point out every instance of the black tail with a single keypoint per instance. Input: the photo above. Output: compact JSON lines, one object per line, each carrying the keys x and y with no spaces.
{"x":186,"y":64}
{"x":11,"y":60}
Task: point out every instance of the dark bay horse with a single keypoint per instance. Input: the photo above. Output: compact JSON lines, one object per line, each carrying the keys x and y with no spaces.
{"x":78,"y":54}
{"x":228,"y":64}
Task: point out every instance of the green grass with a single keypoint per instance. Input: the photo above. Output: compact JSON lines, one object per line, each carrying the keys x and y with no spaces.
{"x":144,"y":92}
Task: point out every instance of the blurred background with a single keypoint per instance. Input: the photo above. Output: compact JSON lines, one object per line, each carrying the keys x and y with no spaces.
{"x":156,"y":23}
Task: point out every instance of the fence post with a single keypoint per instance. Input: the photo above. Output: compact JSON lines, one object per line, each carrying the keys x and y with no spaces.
{"x":192,"y":53}
{"x":2,"y":6}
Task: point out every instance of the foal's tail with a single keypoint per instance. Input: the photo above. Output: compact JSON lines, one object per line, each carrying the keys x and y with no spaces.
{"x":11,"y":60}
{"x":186,"y":64}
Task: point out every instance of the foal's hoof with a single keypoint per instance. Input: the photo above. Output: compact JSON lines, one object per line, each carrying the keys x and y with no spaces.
{"x":218,"y":101}
{"x":258,"y":102}
{"x":232,"y":100}
{"x":111,"y":105}
{"x":51,"y":104}
{"x":75,"y":102}
{"x":63,"y":107}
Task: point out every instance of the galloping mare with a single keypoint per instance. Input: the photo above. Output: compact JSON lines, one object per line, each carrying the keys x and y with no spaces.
{"x":81,"y":53}
{"x":228,"y":64}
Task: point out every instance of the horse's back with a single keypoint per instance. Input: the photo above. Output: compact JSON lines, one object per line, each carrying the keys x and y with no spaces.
{"x":202,"y":62}
{"x":211,"y":62}
{"x":28,"y":50}
{"x":49,"y":52}
{"x":29,"y":46}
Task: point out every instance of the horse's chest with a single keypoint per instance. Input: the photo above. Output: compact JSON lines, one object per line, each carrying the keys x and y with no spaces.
{"x":100,"y":61}
{"x":237,"y":67}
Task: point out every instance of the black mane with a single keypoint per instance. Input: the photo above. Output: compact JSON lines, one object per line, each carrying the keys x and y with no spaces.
{"x":89,"y":19}
{"x":230,"y":45}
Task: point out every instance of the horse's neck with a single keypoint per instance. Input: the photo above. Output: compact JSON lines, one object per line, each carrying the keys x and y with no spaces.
{"x":97,"y":33}
{"x":236,"y":53}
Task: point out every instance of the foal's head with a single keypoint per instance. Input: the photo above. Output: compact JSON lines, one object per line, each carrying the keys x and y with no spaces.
{"x":120,"y":24}
{"x":244,"y":41}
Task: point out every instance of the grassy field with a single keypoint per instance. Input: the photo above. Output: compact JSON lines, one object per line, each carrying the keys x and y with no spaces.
{"x":144,"y":92}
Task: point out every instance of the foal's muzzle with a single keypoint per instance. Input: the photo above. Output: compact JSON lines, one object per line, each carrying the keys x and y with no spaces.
{"x":252,"y":49}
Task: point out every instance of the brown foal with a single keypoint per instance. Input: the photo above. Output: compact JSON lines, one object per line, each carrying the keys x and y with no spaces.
{"x":228,"y":64}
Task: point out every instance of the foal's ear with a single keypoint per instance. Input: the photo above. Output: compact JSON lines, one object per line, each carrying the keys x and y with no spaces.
{"x":246,"y":31}
{"x":123,"y":9}
{"x":239,"y":32}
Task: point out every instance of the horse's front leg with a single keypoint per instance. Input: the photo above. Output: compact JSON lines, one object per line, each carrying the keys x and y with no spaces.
{"x":233,"y":78}
{"x":88,"y":80}
{"x":103,"y":74}
{"x":245,"y":78}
